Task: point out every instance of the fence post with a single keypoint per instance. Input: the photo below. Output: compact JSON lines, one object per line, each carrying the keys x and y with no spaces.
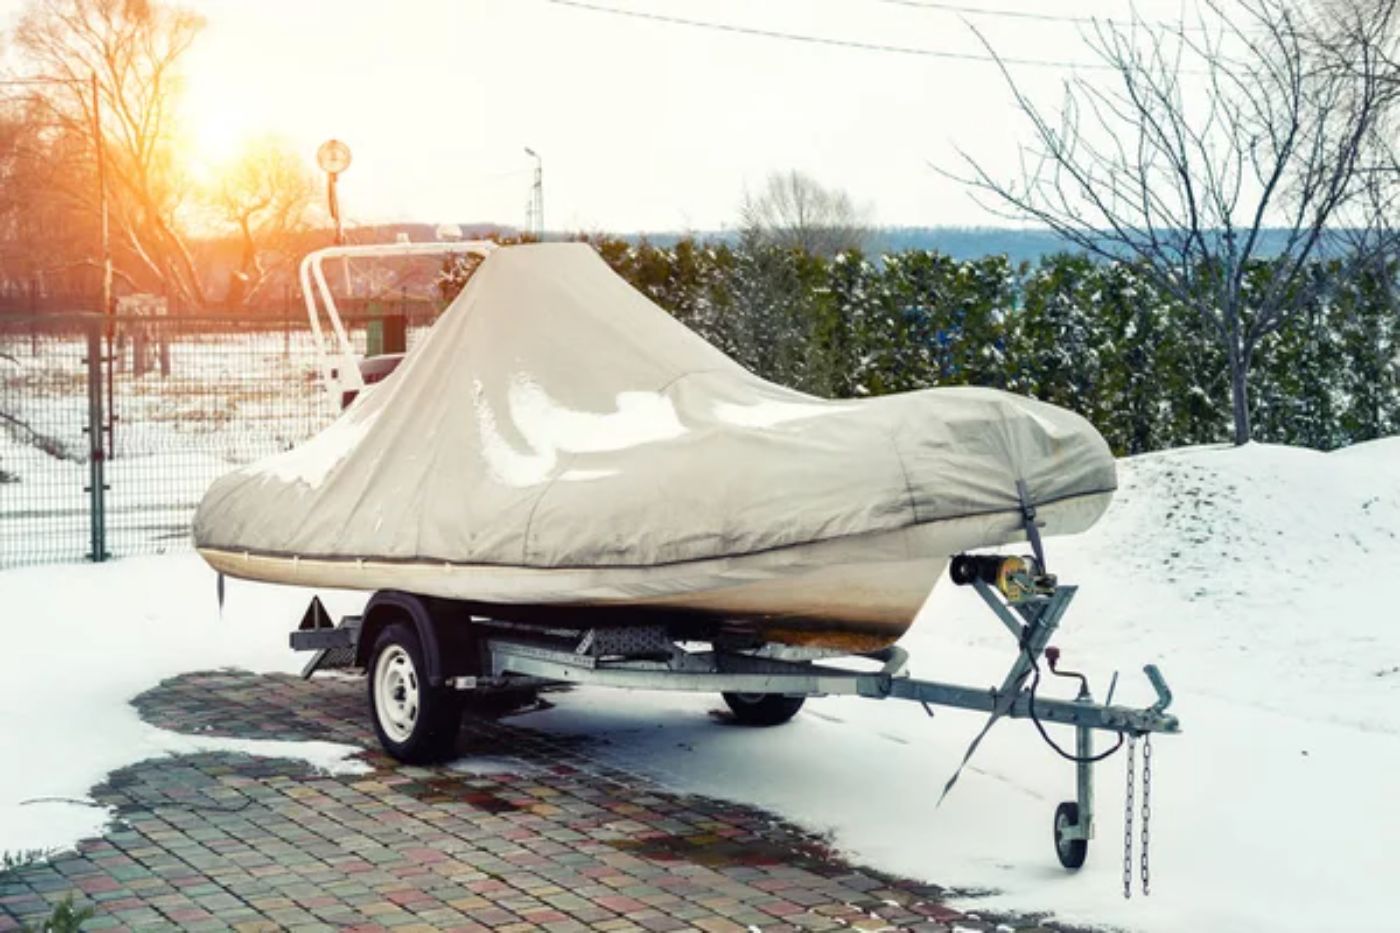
{"x":396,"y":326}
{"x":97,"y":455}
{"x":110,"y":326}
{"x":34,"y":317}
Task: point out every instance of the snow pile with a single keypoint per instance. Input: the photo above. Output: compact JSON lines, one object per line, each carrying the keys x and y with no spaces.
{"x":81,"y":641}
{"x":1257,"y":578}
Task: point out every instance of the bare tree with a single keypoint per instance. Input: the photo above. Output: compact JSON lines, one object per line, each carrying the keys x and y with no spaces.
{"x":1221,"y":156}
{"x":134,"y":48}
{"x":796,"y":212}
{"x":48,"y":241}
{"x":265,"y":196}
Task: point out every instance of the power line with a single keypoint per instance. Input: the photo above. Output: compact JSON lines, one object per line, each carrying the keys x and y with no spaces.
{"x":820,"y":40}
{"x":1022,"y":14}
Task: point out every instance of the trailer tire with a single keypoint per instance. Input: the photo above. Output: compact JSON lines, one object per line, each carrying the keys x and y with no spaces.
{"x":1071,"y":852}
{"x":416,"y":722}
{"x":762,"y":709}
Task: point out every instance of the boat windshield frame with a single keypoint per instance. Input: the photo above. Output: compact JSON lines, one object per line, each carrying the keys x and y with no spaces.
{"x":335,"y":354}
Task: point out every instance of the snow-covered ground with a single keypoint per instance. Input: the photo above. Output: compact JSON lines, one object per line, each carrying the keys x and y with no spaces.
{"x":81,"y":641}
{"x":1258,"y":578}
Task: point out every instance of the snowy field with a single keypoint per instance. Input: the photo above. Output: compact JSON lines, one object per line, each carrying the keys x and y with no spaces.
{"x":1256,"y":577}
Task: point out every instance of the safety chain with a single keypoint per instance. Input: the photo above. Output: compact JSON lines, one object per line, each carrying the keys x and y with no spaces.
{"x":1146,"y":808}
{"x":1128,"y":811}
{"x":1128,"y":822}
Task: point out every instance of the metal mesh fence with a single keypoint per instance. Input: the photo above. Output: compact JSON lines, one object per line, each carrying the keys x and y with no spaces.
{"x":181,"y":400}
{"x":44,"y":445}
{"x":191,"y":397}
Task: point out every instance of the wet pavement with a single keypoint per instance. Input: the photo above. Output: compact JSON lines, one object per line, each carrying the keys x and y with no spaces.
{"x":552,"y":835}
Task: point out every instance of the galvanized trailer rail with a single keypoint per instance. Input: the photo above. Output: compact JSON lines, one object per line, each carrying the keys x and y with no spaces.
{"x":718,"y":671}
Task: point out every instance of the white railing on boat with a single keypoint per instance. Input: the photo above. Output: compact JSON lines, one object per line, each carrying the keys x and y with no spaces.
{"x":335,"y":356}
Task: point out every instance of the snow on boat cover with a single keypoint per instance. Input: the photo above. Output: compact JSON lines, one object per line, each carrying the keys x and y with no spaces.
{"x":558,"y":447}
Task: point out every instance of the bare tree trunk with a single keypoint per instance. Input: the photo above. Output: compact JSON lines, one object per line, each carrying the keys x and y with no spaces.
{"x":1239,"y":394}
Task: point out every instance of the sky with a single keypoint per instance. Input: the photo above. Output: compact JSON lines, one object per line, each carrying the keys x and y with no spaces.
{"x":640,"y":124}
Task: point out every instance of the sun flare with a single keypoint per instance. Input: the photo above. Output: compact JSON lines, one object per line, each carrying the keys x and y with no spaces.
{"x":213,"y":140}
{"x":216,"y":125}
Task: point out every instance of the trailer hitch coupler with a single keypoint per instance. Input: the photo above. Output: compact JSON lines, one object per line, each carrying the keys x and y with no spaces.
{"x":1159,"y":684}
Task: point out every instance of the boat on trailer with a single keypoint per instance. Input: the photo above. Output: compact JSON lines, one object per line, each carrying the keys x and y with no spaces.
{"x":563,"y":484}
{"x":560,"y":446}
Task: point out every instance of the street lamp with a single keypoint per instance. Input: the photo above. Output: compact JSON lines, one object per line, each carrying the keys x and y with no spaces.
{"x":334,"y":158}
{"x":538,"y":191}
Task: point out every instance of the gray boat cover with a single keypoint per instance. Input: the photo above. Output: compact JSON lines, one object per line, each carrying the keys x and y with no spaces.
{"x":554,"y":417}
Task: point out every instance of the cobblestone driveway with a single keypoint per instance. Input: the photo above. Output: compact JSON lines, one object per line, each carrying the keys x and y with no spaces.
{"x":556,"y":839}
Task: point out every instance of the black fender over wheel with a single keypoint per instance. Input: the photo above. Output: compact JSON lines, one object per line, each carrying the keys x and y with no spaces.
{"x":416,"y":722}
{"x":763,"y":709}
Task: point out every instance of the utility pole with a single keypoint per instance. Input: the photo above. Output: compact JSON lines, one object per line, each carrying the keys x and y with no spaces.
{"x":537,"y":193}
{"x":101,"y":147}
{"x":108,"y":309}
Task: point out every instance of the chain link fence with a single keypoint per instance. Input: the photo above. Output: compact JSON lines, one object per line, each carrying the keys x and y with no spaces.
{"x":112,"y":428}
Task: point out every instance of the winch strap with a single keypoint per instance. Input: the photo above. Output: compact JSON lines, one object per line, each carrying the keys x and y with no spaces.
{"x":967,"y":756}
{"x":1028,"y":520}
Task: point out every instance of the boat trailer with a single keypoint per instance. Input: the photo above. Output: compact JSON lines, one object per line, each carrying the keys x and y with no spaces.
{"x":419,"y":652}
{"x":487,"y":653}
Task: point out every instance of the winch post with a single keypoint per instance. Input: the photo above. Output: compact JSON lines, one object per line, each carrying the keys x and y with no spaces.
{"x":1084,"y":779}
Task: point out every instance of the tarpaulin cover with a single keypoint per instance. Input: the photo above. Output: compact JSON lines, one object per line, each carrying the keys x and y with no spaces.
{"x":556,"y":418}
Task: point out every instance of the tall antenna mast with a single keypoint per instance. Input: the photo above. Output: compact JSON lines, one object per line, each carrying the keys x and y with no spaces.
{"x":537,"y":195}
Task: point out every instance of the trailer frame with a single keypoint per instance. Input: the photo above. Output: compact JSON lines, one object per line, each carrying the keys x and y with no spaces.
{"x":505,"y":654}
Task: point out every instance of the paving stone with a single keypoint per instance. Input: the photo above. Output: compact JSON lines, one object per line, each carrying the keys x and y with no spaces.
{"x":563,"y":839}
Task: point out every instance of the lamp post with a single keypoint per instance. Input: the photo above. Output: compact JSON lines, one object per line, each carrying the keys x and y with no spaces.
{"x":334,"y":158}
{"x":538,"y":191}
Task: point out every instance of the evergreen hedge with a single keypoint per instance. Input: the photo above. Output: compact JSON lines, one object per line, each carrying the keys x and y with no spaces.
{"x":1097,"y":338}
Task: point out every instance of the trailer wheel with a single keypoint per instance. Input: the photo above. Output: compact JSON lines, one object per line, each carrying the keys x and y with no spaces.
{"x":1072,"y":852}
{"x":416,"y":723}
{"x":763,"y":709}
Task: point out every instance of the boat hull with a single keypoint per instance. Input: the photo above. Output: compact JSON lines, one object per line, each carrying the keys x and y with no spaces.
{"x":854,"y":593}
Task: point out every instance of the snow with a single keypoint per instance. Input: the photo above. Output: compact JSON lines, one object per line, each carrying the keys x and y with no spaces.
{"x":314,"y":459}
{"x":640,"y":418}
{"x":81,"y":641}
{"x":549,"y":429}
{"x":1256,"y":577}
{"x":769,"y":413}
